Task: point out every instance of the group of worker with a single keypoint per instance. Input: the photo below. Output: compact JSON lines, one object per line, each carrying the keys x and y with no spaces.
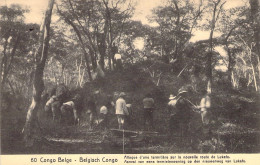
{"x":203,"y":108}
{"x":181,"y":109}
{"x":63,"y":111}
{"x":122,"y":110}
{"x":179,"y":106}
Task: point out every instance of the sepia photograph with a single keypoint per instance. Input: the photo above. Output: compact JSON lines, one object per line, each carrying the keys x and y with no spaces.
{"x":129,"y":77}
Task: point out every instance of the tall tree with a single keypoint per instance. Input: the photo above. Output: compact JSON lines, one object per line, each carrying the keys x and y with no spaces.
{"x":17,"y":40}
{"x":12,"y":31}
{"x":98,"y":23}
{"x":176,"y":20}
{"x":31,"y":128}
{"x":231,"y":22}
{"x":217,"y":7}
{"x":255,"y":23}
{"x":77,"y":31}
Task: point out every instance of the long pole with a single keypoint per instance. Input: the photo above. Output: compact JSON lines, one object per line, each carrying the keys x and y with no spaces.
{"x":190,"y":102}
{"x":123,"y":140}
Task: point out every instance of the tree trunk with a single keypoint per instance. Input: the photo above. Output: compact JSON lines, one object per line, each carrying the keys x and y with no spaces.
{"x":93,"y":58}
{"x":102,"y":43}
{"x":3,"y":60}
{"x":215,"y":16}
{"x":110,"y":38}
{"x":255,"y":23}
{"x":209,"y":56}
{"x":230,"y":57}
{"x":91,"y":47}
{"x":102,"y":46}
{"x":31,"y":129}
{"x":255,"y":18}
{"x":8,"y":66}
{"x":229,"y":66}
{"x":177,"y":30}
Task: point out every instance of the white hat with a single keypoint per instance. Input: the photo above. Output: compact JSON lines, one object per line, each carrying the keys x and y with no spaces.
{"x":182,"y":90}
{"x":103,"y":110}
{"x":172,"y":97}
{"x":117,"y":56}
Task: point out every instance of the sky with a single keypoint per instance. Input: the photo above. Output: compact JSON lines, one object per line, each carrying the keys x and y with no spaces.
{"x":37,"y":8}
{"x":143,"y":8}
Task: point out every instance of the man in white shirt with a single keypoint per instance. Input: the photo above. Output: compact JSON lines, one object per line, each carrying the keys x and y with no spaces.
{"x":118,"y":61}
{"x":114,"y":50}
{"x":70,"y":106}
{"x":205,"y":105}
{"x":121,"y":110}
{"x":47,"y":107}
{"x":118,"y":56}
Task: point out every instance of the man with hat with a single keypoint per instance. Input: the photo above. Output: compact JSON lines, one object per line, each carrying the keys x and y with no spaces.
{"x":104,"y":117}
{"x":172,"y":104}
{"x":121,"y":110}
{"x":183,"y":111}
{"x":173,"y":122}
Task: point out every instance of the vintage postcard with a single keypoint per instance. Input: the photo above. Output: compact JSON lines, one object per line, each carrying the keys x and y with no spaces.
{"x":130,"y":81}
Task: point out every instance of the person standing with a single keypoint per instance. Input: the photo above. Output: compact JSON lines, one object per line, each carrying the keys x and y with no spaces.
{"x":148,"y":103}
{"x":114,"y":50}
{"x":172,"y":104}
{"x":205,"y":105}
{"x":118,"y":61}
{"x":184,"y":112}
{"x":205,"y":114}
{"x":173,"y":122}
{"x":121,"y":110}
